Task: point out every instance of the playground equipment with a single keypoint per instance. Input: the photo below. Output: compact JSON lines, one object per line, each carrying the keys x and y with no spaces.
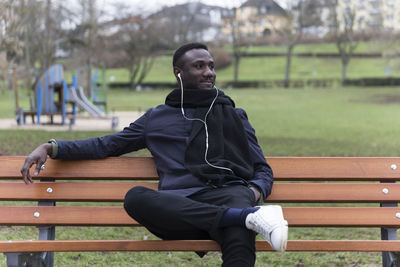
{"x":76,"y":94}
{"x":98,"y":95}
{"x":50,"y":98}
{"x":52,"y":95}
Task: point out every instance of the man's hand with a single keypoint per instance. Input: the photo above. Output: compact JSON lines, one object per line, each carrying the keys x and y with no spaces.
{"x":38,"y":157}
{"x":256,"y":192}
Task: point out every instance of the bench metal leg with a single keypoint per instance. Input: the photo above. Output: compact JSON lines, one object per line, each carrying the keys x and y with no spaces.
{"x":12,"y":259}
{"x":37,"y":259}
{"x":389,"y":259}
{"x":25,"y":260}
{"x":47,"y":233}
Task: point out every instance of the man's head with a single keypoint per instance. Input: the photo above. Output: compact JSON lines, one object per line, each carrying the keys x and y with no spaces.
{"x":195,"y":65}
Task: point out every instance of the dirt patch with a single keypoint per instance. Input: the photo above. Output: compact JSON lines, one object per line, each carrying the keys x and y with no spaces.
{"x":381,"y":99}
{"x":83,"y":123}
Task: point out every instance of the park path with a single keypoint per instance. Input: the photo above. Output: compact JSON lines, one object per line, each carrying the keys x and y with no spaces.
{"x":83,"y":123}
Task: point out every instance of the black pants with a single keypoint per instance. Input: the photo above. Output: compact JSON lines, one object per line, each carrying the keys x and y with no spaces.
{"x":196,"y":217}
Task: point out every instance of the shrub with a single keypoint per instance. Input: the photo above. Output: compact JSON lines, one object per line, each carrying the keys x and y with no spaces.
{"x":221,"y":57}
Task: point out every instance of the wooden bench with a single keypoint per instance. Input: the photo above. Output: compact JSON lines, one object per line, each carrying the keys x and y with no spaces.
{"x":361,"y":181}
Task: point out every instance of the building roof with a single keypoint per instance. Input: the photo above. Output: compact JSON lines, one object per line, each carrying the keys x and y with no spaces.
{"x":119,"y":21}
{"x":265,"y":6}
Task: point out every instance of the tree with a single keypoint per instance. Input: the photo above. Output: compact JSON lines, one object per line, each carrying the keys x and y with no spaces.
{"x":238,"y":44}
{"x":11,"y":27}
{"x":138,"y":43}
{"x":301,"y":15}
{"x":240,"y":39}
{"x":391,"y":50}
{"x":344,"y":38}
{"x":30,"y":31}
{"x":84,"y":38}
{"x":131,"y":42}
{"x":140,"y":48}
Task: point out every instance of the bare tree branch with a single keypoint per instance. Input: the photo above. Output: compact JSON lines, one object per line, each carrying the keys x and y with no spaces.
{"x":344,"y":38}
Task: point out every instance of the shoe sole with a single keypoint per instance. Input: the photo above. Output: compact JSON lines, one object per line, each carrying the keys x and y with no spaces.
{"x":284,"y":237}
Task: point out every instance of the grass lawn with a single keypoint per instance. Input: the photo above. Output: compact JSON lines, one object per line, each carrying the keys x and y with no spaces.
{"x":270,"y":68}
{"x":273,"y":68}
{"x":310,"y":122}
{"x":288,"y":122}
{"x":363,"y":47}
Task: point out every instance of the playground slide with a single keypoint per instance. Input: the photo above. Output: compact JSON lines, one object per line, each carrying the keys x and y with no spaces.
{"x":81,"y":100}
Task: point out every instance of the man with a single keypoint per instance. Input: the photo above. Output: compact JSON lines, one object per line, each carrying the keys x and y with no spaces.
{"x":212,"y":171}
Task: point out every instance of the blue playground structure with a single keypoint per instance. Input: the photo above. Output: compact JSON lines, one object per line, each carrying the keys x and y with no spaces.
{"x":53,"y":97}
{"x":98,"y":95}
{"x":50,"y":98}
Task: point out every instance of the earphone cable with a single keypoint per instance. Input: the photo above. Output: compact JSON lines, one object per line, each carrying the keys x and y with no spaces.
{"x":205,"y":125}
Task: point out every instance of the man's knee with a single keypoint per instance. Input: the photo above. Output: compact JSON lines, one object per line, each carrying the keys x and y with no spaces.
{"x":134,"y":198}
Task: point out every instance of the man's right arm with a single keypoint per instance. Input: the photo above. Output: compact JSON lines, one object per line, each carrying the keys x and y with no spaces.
{"x":132,"y":138}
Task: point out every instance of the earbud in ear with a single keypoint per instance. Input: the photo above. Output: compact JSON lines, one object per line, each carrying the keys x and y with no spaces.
{"x":179,"y":75}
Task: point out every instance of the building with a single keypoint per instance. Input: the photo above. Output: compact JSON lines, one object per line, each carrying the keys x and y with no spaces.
{"x":370,"y":15}
{"x":112,"y":27}
{"x":391,"y":17}
{"x":255,"y":18}
{"x":191,"y":21}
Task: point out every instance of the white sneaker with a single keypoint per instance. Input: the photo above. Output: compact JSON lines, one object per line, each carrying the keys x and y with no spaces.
{"x":269,"y":222}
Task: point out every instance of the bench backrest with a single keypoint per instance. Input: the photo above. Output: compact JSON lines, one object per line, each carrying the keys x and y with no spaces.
{"x":285,"y":168}
{"x":299,"y":180}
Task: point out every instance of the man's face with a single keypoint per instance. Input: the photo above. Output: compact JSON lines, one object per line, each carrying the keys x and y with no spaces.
{"x":197,"y":69}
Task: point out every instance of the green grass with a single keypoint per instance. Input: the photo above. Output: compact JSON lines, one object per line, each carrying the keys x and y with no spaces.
{"x":273,"y":68}
{"x":267,"y":68}
{"x":288,"y":122}
{"x":362,"y":47}
{"x":311,"y":122}
{"x":295,"y":122}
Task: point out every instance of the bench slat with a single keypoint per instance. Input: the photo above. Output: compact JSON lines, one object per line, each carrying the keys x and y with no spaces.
{"x":281,"y":192}
{"x":190,"y":245}
{"x":69,"y":191}
{"x":336,"y":168}
{"x":332,"y":168}
{"x":335,"y":192}
{"x":113,"y":167}
{"x":116,"y":216}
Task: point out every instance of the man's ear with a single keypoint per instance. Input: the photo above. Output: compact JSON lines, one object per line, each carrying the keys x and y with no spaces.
{"x":176,"y":71}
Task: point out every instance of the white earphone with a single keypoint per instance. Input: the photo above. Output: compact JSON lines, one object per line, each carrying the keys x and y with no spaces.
{"x":203,"y":121}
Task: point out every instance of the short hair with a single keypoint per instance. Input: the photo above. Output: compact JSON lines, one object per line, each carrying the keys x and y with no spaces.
{"x":184,"y":48}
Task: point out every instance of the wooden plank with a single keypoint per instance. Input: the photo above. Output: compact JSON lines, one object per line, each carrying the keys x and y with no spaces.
{"x":116,"y":216}
{"x":67,"y":191}
{"x":190,"y":245}
{"x":342,"y":216}
{"x":335,"y":168}
{"x":68,"y":215}
{"x":335,"y":192}
{"x":281,"y":192}
{"x":113,"y":167}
